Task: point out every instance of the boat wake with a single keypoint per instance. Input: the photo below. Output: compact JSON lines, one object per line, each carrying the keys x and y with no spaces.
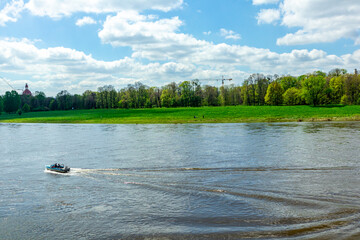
{"x":72,"y":172}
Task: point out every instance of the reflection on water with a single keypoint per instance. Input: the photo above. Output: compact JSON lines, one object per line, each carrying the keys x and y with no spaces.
{"x":205,"y":181}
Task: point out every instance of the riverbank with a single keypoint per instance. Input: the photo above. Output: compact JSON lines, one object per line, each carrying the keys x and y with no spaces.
{"x":232,"y":114}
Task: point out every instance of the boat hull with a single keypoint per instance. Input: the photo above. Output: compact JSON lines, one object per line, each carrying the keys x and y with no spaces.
{"x":59,"y":170}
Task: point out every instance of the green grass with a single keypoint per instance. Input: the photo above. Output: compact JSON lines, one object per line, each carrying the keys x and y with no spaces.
{"x":186,"y":115}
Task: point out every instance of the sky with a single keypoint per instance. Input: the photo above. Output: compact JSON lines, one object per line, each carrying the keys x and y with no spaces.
{"x":79,"y":45}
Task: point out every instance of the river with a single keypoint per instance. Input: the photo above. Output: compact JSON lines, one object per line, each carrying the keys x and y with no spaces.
{"x":185,"y":181}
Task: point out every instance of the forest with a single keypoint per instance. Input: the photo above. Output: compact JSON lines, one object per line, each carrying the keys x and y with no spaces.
{"x":317,"y":88}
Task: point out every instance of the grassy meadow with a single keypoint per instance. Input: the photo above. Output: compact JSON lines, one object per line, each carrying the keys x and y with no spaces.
{"x":231,"y":114}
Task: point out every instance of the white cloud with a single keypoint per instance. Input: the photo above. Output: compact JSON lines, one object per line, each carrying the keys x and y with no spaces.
{"x":151,"y":40}
{"x":268,"y":16}
{"x":207,"y":33}
{"x":64,"y":68}
{"x":11,"y":12}
{"x":85,"y":21}
{"x":148,"y":37}
{"x":158,"y":40}
{"x":61,"y":8}
{"x":320,"y":21}
{"x":131,"y":28}
{"x":229,"y":34}
{"x":260,"y":2}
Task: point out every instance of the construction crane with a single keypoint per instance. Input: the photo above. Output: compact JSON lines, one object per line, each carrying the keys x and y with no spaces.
{"x":211,"y":79}
{"x":10,"y":84}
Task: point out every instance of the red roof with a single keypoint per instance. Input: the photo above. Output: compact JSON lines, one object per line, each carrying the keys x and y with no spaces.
{"x":27,"y":91}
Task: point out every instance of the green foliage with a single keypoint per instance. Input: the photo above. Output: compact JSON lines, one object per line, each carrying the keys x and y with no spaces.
{"x":337,"y":72}
{"x":185,"y":93}
{"x":223,"y":97}
{"x":292,"y":96}
{"x":19,"y":112}
{"x":344,"y":100}
{"x":289,"y":82}
{"x":210,"y":96}
{"x":11,"y":101}
{"x":248,"y":93}
{"x":254,"y":89}
{"x":314,"y":88}
{"x":1,"y":105}
{"x":274,"y":95}
{"x":336,"y":85}
{"x":64,"y":100}
{"x":319,"y":73}
{"x":40,"y":98}
{"x":166,"y":98}
{"x":53,"y":105}
{"x":26,"y":108}
{"x":106,"y":97}
{"x":352,"y":88}
{"x":235,"y":96}
{"x":171,"y":95}
{"x":89,"y":99}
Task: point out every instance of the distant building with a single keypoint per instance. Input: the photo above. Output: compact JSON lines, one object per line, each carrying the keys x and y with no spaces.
{"x":27,"y":91}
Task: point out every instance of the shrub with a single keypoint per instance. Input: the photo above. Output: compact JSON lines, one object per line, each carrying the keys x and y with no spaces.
{"x":292,"y":96}
{"x":274,"y":94}
{"x":26,"y":108}
{"x":344,"y":100}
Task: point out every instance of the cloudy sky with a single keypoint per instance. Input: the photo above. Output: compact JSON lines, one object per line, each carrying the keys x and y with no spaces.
{"x":84,"y":44}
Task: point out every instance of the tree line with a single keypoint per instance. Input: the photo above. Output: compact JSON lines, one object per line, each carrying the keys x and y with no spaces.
{"x":317,"y":88}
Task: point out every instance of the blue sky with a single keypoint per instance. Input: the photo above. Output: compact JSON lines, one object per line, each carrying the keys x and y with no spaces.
{"x":84,"y":44}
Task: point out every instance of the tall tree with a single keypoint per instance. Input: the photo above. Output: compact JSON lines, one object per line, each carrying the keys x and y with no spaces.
{"x":210,"y":96}
{"x":1,"y":105}
{"x":77,"y":101}
{"x":53,"y":105}
{"x":352,"y":88}
{"x":106,"y":97}
{"x":123,"y":99}
{"x":262,"y":84}
{"x":289,"y":82}
{"x":292,"y":96}
{"x":142,"y":94}
{"x":274,"y":94}
{"x":154,"y":98}
{"x":11,"y":101}
{"x":255,"y":89}
{"x":314,"y":88}
{"x":89,"y":98}
{"x":174,"y":91}
{"x":26,"y":99}
{"x":336,"y":85}
{"x":64,"y":100}
{"x":247,"y":93}
{"x":224,"y":98}
{"x":40,"y":98}
{"x":196,"y":97}
{"x":166,"y":98}
{"x":235,"y":95}
{"x":186,"y":93}
{"x":337,"y":72}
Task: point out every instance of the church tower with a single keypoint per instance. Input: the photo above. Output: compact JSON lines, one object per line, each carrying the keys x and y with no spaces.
{"x":27,"y":91}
